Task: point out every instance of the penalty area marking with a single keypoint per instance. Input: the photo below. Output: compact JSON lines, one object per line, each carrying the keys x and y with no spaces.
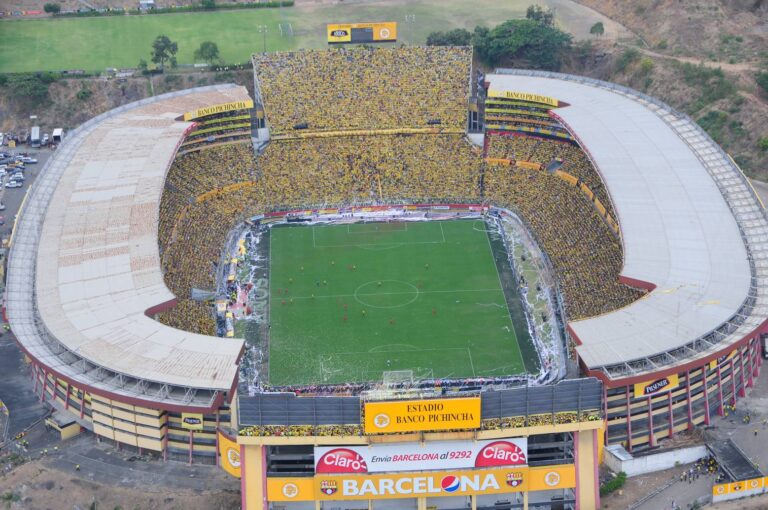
{"x":385,"y":245}
{"x":486,"y":230}
{"x":376,"y":230}
{"x":363,"y":362}
{"x":332,"y":296}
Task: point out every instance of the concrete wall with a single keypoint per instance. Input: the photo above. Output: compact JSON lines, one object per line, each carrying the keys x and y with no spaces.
{"x":618,"y":459}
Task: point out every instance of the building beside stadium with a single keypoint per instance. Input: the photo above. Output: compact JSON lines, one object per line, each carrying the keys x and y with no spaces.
{"x":123,"y":281}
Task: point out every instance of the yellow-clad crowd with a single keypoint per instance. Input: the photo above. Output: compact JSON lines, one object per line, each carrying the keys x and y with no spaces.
{"x":365,"y":169}
{"x":586,"y":256}
{"x":365,"y":88}
{"x":545,"y":151}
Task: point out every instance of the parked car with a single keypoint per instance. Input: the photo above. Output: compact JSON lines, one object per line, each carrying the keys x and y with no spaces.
{"x":28,"y":160}
{"x":45,"y":138}
{"x":2,"y":206}
{"x":14,"y":184}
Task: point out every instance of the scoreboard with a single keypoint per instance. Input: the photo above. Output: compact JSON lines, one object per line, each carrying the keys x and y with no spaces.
{"x":358,"y":33}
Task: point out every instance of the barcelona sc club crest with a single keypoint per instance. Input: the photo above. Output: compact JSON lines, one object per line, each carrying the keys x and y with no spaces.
{"x":514,"y":479}
{"x":328,"y":487}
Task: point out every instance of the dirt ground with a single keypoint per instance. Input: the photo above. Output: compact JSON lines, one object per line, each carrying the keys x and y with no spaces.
{"x":38,"y":486}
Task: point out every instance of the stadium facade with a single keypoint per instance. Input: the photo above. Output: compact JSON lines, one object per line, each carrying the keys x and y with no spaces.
{"x":85,"y":279}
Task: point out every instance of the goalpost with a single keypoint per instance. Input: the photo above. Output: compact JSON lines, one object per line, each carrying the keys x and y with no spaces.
{"x":399,"y":378}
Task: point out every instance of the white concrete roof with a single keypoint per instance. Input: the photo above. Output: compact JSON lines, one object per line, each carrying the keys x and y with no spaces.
{"x":677,"y":229}
{"x":98,"y":266}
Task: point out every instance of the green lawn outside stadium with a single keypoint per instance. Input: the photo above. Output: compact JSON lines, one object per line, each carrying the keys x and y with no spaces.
{"x":94,"y":44}
{"x":349,"y":302}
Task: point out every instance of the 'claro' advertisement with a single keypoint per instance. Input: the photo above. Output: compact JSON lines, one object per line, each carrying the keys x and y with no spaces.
{"x":421,"y":456}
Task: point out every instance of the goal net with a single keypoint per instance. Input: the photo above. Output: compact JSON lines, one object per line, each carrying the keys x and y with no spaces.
{"x":397,"y":378}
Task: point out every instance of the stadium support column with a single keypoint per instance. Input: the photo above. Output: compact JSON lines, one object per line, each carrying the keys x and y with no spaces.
{"x":688,"y":397}
{"x":742,"y":367}
{"x":34,"y":378}
{"x":629,"y":421}
{"x":720,"y":390}
{"x":585,"y":460}
{"x":671,"y":415}
{"x":253,"y":477}
{"x":44,"y":386}
{"x":733,"y":381}
{"x":706,"y":394}
{"x":651,"y":435}
{"x":218,"y":462}
{"x":753,"y":365}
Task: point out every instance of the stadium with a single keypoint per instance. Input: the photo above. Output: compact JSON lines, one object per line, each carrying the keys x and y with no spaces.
{"x":386,"y":280}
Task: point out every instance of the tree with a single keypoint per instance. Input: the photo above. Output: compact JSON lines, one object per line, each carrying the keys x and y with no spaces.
{"x":762,"y":81}
{"x":28,"y":86}
{"x":208,"y":4}
{"x":457,"y":37}
{"x":597,"y":29}
{"x":542,"y":16}
{"x":143,"y":65}
{"x":164,"y":50}
{"x":207,"y":52}
{"x":52,"y":8}
{"x":539,"y":45}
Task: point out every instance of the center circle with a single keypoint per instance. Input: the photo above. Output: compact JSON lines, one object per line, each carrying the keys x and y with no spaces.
{"x":386,"y":294}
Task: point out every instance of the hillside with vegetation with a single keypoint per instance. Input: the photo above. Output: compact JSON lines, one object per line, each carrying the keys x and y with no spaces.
{"x":708,"y":58}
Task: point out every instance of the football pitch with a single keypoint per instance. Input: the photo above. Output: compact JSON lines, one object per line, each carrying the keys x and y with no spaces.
{"x":350,"y":302}
{"x":94,"y":44}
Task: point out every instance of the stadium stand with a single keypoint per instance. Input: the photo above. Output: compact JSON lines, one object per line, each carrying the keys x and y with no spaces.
{"x":365,"y":88}
{"x":585,"y":254}
{"x":569,"y":156}
{"x":366,"y":169}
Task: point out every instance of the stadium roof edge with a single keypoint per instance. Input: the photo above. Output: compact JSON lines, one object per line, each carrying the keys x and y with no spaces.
{"x":690,"y":225}
{"x":102,"y":339}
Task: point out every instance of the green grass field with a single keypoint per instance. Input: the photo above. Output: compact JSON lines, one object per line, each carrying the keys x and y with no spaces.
{"x":94,"y":44}
{"x":349,"y":302}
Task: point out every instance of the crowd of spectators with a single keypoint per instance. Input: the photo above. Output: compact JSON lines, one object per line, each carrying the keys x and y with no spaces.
{"x":545,"y":151}
{"x":365,"y":88}
{"x":365,"y":169}
{"x":586,"y":256}
{"x":534,"y":420}
{"x":192,"y":233}
{"x":302,"y":430}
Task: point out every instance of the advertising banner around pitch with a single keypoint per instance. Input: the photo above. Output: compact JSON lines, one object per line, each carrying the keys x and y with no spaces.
{"x":229,"y":452}
{"x":192,"y":421}
{"x":420,"y":415}
{"x":378,"y":458}
{"x":662,"y":385}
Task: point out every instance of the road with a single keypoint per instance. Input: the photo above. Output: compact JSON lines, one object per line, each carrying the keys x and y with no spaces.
{"x":12,"y":197}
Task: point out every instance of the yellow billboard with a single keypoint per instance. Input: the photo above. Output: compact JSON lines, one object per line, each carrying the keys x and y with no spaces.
{"x":421,"y":484}
{"x":358,"y":33}
{"x":291,"y":489}
{"x":421,"y":415}
{"x":229,"y":453}
{"x":661,"y":385}
{"x":523,"y":96}
{"x":218,"y":108}
{"x":192,"y":421}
